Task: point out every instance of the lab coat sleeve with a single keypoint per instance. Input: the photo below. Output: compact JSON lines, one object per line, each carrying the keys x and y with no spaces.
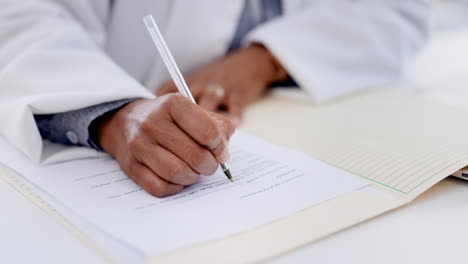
{"x":78,"y":127}
{"x":334,"y":48}
{"x":52,"y":61}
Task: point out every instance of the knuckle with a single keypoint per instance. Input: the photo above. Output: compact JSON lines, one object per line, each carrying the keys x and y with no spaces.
{"x":175,"y":98}
{"x":146,"y":127}
{"x":196,"y":156}
{"x":205,"y":163}
{"x":149,"y":183}
{"x":130,"y":168}
{"x":175,"y":172}
{"x":158,"y":190}
{"x":166,"y":100}
{"x":182,"y":174}
{"x":170,"y":100}
{"x":190,"y":179}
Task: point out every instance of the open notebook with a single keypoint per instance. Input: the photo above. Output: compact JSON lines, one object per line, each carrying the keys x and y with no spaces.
{"x":398,"y":145}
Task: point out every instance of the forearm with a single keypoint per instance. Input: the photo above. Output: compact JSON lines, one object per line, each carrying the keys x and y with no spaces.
{"x":332,"y":49}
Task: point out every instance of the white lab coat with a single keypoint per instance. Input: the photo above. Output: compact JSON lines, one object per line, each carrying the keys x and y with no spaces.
{"x":62,"y":55}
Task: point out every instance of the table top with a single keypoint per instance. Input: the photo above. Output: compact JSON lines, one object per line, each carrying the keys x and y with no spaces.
{"x":432,"y":229}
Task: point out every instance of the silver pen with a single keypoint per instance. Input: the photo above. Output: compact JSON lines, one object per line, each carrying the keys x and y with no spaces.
{"x":173,"y":69}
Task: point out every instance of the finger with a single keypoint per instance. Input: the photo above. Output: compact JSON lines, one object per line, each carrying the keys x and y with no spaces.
{"x":185,"y":149}
{"x":168,"y":166}
{"x":196,"y":88}
{"x":198,"y":124}
{"x":211,"y":99}
{"x":225,"y":124}
{"x":151,"y":182}
{"x":165,"y":88}
{"x":227,"y":128}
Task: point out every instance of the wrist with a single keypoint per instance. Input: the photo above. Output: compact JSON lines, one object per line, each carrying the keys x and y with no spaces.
{"x":110,"y":127}
{"x":104,"y":135}
{"x":273,"y":70}
{"x":102,"y":112}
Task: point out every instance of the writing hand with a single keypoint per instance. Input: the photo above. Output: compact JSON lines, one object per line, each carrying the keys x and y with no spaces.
{"x":166,"y":143}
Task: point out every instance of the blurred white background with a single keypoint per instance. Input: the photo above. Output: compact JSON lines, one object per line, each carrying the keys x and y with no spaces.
{"x":440,"y":71}
{"x":449,"y":15}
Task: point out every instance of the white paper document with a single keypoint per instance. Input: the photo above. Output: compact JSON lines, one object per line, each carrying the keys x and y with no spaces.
{"x":270,"y":182}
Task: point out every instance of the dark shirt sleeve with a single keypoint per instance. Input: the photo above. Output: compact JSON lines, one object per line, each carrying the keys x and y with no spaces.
{"x":78,"y":127}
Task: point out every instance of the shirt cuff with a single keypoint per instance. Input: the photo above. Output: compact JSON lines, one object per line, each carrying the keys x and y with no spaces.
{"x":78,"y":127}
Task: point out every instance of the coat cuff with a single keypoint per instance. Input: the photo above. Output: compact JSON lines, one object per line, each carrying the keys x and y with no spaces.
{"x":78,"y":127}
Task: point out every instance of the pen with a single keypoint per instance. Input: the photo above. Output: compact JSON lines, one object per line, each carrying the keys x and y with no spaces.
{"x":173,"y":69}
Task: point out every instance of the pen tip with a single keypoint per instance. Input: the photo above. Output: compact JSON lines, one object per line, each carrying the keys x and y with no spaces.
{"x":228,"y":175}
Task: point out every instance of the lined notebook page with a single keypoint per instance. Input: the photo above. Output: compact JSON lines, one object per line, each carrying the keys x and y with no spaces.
{"x":398,"y":141}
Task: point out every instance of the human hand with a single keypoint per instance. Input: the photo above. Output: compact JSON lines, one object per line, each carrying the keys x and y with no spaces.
{"x":166,"y":143}
{"x":232,"y":82}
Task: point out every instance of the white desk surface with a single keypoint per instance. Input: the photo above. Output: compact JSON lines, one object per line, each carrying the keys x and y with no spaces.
{"x":432,"y":229}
